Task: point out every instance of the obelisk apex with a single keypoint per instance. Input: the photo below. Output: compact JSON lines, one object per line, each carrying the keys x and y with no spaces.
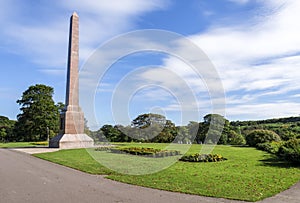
{"x":72,"y":99}
{"x":72,"y":118}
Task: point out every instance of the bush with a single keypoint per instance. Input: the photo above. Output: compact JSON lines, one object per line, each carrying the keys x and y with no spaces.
{"x":235,"y":138}
{"x":202,"y":158}
{"x":261,"y":136}
{"x":290,"y":150}
{"x":271,"y":147}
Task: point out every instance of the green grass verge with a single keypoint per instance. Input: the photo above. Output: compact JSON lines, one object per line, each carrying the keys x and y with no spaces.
{"x":22,"y":144}
{"x":248,"y":174}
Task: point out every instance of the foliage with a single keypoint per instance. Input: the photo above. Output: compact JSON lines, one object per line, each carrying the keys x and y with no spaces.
{"x":145,"y":128}
{"x":145,"y":120}
{"x":271,"y":147}
{"x":202,"y":158}
{"x":267,"y":121}
{"x":235,"y":139}
{"x":40,"y":115}
{"x":6,"y":129}
{"x":146,"y":151}
{"x":290,"y":150}
{"x":261,"y":136}
{"x":286,"y":128}
{"x":248,"y":174}
{"x":215,"y":129}
{"x":112,"y":134}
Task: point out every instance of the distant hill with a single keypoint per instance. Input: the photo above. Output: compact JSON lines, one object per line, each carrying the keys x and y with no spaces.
{"x":267,"y":121}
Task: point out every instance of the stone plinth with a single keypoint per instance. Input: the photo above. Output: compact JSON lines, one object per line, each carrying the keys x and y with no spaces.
{"x":70,"y":141}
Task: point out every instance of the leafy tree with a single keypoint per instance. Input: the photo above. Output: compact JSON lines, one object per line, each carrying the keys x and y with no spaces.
{"x":111,"y":133}
{"x":183,"y":135}
{"x":145,"y":120}
{"x":39,"y":114}
{"x":167,"y":134}
{"x":6,"y":129}
{"x":218,"y":128}
{"x":235,"y":138}
{"x":154,"y":128}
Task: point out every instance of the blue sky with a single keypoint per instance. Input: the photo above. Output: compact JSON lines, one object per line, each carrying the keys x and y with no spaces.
{"x":253,"y":44}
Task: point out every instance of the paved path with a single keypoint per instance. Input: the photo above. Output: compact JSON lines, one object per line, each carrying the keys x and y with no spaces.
{"x":24,"y":178}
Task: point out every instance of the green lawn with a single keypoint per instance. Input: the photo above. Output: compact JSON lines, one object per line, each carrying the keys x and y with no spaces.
{"x":22,"y":144}
{"x":248,"y":174}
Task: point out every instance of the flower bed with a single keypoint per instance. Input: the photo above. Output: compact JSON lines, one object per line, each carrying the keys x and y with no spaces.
{"x":202,"y":158}
{"x":147,"y":152}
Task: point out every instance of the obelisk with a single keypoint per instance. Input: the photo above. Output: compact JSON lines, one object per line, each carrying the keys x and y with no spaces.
{"x":72,"y":118}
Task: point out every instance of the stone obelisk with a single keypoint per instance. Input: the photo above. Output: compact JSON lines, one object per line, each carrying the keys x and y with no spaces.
{"x":72,"y":118}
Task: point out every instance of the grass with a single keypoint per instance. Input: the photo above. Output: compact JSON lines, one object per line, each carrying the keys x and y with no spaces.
{"x":248,"y":174}
{"x":22,"y":144}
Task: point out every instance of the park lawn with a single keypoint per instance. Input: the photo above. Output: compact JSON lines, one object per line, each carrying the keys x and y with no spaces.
{"x":22,"y":144}
{"x":248,"y":174}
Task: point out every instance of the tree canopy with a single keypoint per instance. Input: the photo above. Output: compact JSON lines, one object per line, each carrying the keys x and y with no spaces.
{"x":40,"y":115}
{"x":6,"y":129}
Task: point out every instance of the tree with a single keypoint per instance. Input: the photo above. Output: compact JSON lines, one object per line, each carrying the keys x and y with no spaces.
{"x":235,"y":138}
{"x":111,"y":133}
{"x":154,"y":128}
{"x":145,"y":120}
{"x":214,"y":129}
{"x":39,"y":114}
{"x":6,"y":129}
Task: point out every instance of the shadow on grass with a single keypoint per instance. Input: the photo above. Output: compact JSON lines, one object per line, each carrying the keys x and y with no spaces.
{"x":278,"y":162}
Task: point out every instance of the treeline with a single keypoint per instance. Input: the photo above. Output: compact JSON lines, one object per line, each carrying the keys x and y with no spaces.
{"x":148,"y":128}
{"x":39,"y":121}
{"x":267,"y":121}
{"x":156,"y":128}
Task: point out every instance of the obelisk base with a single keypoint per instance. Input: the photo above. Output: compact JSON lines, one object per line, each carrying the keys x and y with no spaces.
{"x":70,"y":141}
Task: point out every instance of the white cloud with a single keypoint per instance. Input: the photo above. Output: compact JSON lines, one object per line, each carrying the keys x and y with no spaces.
{"x":264,"y":110}
{"x":46,"y":43}
{"x":255,"y":60}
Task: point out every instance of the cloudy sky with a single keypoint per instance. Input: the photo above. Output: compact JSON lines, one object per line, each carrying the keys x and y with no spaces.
{"x":254,"y":46}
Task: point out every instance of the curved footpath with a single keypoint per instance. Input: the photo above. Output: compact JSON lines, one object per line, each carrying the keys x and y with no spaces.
{"x":24,"y":178}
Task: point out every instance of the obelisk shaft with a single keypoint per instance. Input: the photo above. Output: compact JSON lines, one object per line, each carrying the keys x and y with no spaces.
{"x":72,"y":118}
{"x":72,"y":99}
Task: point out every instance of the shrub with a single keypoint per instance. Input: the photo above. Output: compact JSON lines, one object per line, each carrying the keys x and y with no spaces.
{"x":271,"y":147}
{"x":202,"y":158}
{"x":235,"y":138}
{"x":261,"y":136}
{"x":290,"y":150}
